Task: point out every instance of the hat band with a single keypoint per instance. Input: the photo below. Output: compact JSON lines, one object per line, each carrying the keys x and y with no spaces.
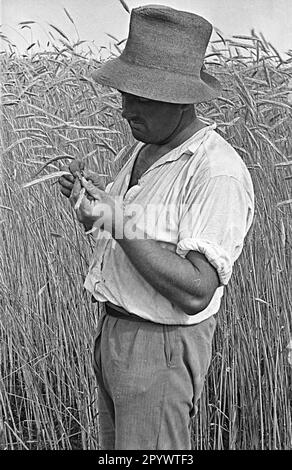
{"x":198,"y":66}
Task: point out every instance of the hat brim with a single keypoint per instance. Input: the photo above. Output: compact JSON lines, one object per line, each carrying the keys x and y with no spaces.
{"x":157,"y":84}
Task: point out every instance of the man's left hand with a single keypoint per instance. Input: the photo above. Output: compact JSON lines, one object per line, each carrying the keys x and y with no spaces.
{"x":97,"y":207}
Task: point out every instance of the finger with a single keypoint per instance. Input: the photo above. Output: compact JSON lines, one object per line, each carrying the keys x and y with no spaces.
{"x":69,"y":177}
{"x":66,"y":182}
{"x":66,"y":192}
{"x":75,"y":190}
{"x":92,"y":190}
{"x":98,"y":225}
{"x":76,"y":165}
{"x":94,"y":177}
{"x":89,"y":174}
{"x":167,"y":245}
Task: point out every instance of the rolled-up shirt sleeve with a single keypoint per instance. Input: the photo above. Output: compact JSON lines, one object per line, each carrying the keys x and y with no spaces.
{"x":214,"y":219}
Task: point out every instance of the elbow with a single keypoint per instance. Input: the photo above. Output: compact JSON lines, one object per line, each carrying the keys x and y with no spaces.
{"x":196,"y":304}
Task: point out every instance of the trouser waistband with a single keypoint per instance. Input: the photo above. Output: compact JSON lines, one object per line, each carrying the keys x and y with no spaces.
{"x":119,"y":312}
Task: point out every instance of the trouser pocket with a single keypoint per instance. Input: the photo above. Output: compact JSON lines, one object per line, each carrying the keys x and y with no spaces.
{"x":170,"y":344}
{"x":96,"y":353}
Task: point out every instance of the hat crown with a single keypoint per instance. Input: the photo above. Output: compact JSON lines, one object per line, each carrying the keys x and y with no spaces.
{"x":163,"y":58}
{"x":168,"y":39}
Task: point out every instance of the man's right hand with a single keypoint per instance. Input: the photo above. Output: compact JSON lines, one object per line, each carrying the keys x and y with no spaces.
{"x":67,"y":181}
{"x":70,"y":186}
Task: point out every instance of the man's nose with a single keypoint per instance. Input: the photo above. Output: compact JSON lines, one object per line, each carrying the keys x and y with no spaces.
{"x":128,"y":113}
{"x":128,"y":109}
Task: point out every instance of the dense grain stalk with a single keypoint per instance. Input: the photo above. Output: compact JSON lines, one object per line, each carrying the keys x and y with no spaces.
{"x":53,"y":112}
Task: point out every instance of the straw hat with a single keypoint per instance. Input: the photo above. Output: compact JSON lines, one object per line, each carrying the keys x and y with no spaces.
{"x":163,"y":57}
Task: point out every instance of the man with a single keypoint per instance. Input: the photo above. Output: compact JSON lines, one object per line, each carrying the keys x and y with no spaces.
{"x":168,"y":232}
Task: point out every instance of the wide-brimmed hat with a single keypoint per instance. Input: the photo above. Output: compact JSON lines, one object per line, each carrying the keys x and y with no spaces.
{"x":163,"y":57}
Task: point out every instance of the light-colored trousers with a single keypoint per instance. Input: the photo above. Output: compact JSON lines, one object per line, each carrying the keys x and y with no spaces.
{"x":150,"y":377}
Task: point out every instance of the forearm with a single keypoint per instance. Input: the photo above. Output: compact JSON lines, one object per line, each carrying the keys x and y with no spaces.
{"x":172,"y":276}
{"x":186,"y":282}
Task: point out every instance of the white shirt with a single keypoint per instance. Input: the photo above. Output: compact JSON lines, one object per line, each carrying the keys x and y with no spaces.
{"x":199,"y":197}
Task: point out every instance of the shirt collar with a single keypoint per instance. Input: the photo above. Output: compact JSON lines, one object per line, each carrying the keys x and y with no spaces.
{"x":188,"y":147}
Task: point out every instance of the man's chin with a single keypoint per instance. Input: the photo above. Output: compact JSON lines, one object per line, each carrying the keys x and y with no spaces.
{"x":138,"y":134}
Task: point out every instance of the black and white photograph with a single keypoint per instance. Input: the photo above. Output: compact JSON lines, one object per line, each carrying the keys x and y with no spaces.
{"x":145,"y":228}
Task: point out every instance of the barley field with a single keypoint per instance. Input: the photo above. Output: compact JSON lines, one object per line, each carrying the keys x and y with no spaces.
{"x":51,"y":113}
